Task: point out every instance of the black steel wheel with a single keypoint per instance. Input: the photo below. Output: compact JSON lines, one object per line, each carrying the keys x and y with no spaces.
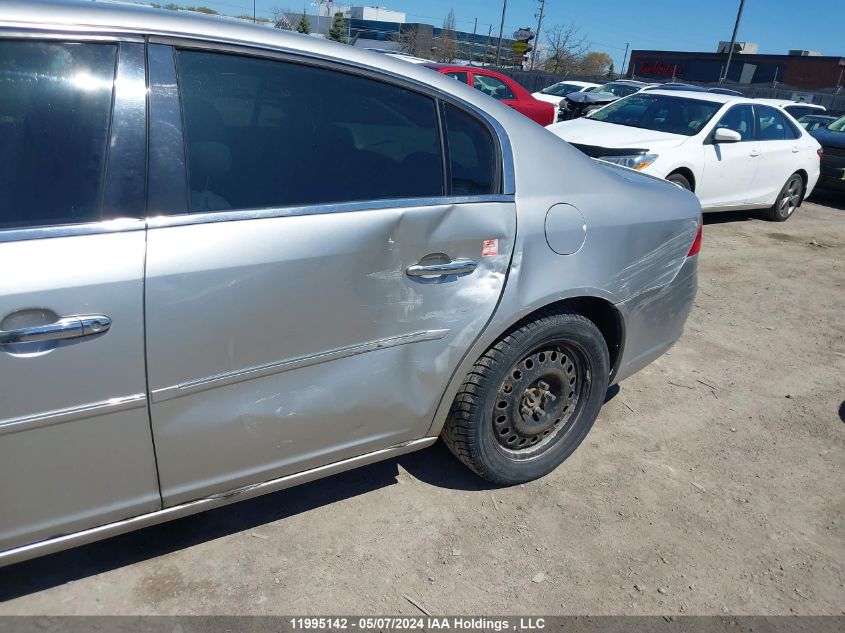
{"x":530,"y":399}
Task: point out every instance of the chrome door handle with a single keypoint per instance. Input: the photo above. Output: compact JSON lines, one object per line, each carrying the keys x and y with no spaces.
{"x":455,"y":267}
{"x":795,"y":150}
{"x":64,"y":328}
{"x":754,"y":153}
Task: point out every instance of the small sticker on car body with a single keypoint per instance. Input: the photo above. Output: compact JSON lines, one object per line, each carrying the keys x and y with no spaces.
{"x":490,"y":248}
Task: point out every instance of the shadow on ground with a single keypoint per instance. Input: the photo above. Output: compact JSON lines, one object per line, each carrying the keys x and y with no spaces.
{"x":828,"y":198}
{"x":435,"y":466}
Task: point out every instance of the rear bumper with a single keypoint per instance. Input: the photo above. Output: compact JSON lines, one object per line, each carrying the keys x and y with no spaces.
{"x":832,"y":174}
{"x":654,"y":320}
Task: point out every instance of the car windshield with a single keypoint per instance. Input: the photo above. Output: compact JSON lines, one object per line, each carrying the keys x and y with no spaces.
{"x":838,"y":125}
{"x":674,"y":115}
{"x":617,"y":90}
{"x":560,"y":89}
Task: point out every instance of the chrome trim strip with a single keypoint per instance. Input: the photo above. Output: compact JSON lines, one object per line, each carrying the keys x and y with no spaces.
{"x":118,"y":225}
{"x":59,"y":543}
{"x":268,"y":369}
{"x":162,"y":221}
{"x":65,"y":32}
{"x":60,"y":416}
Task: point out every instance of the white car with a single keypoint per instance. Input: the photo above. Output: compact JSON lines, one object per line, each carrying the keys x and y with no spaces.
{"x":733,"y":152}
{"x":554,"y":93}
{"x":796,"y":108}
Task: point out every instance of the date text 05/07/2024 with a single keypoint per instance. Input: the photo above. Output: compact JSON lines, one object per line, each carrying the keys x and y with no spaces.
{"x":388,"y":623}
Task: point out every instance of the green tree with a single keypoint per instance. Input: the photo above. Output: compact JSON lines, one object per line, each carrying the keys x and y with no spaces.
{"x":303,"y":26}
{"x":207,"y":10}
{"x":611,"y":71}
{"x":338,"y":31}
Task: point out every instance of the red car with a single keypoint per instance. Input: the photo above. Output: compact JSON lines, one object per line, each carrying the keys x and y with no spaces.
{"x":502,"y":88}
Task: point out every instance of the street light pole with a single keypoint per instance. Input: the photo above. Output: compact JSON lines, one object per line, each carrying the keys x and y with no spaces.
{"x":501,"y":31}
{"x":624,"y":59}
{"x":733,"y":41}
{"x":537,"y":35}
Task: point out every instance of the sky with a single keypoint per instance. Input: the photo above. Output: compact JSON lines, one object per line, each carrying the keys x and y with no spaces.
{"x":691,"y":25}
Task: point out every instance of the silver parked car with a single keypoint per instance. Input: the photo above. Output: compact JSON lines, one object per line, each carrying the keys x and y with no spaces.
{"x":237,"y":259}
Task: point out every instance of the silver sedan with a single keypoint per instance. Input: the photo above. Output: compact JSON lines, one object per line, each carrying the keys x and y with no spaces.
{"x":237,"y":259}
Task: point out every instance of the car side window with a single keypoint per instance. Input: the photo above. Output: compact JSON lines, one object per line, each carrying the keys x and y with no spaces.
{"x":462,"y":77}
{"x":471,"y":154}
{"x":492,"y":86}
{"x":772,"y":125}
{"x":55,"y":111}
{"x":740,"y":119}
{"x":264,"y":133}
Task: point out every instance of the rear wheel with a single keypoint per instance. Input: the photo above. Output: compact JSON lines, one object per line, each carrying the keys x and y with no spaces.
{"x":680,"y":180}
{"x":530,"y":400}
{"x":788,"y":199}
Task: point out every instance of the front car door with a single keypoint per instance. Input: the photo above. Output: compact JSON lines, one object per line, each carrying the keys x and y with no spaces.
{"x":75,"y":443}
{"x":293,"y":316}
{"x":729,"y":168}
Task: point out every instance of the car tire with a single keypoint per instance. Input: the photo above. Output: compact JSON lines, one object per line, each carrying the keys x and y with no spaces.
{"x":530,"y":400}
{"x":680,"y":180}
{"x":788,"y":199}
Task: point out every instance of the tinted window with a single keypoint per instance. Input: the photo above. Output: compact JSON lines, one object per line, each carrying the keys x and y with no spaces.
{"x":263,"y":133}
{"x":772,"y":125}
{"x":798,"y":110}
{"x":462,"y":77}
{"x":739,"y":119}
{"x":471,"y":154}
{"x":675,"y":115}
{"x":617,"y":90}
{"x":560,"y":89}
{"x":55,"y":105}
{"x":492,"y":86}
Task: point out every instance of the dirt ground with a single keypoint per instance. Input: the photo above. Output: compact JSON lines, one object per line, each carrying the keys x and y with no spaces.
{"x":713,"y":482}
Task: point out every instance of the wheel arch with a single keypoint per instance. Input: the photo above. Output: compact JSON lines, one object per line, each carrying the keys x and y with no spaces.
{"x":805,"y":178}
{"x":687,"y":173}
{"x":600,"y":310}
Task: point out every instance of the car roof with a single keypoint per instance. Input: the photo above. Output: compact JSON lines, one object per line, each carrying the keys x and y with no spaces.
{"x":789,"y":102}
{"x":701,"y":96}
{"x":574,"y":82}
{"x":114,"y":18}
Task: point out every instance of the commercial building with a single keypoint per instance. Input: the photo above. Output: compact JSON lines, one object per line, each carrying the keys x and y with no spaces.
{"x":798,"y":69}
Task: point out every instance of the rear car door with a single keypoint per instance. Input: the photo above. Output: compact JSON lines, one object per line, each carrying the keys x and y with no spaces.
{"x":295,"y":316}
{"x":780,"y":153}
{"x":730,"y":168}
{"x":75,"y":442}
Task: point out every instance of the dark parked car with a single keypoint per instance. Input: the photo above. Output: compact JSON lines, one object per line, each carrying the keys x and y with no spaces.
{"x":812,"y":122}
{"x":832,"y":139}
{"x":580,"y":103}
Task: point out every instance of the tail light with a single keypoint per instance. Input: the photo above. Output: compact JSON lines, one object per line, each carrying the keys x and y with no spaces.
{"x":696,"y":244}
{"x":820,"y":152}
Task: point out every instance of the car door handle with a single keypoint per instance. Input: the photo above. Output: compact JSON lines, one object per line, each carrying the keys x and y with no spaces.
{"x":754,"y":153}
{"x":795,"y":150}
{"x":64,"y":328}
{"x":455,"y":267}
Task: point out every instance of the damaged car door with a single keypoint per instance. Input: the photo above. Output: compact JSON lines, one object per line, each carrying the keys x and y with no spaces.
{"x":316,"y":278}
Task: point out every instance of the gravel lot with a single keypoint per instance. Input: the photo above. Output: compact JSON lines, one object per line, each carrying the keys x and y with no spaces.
{"x":713,"y":482}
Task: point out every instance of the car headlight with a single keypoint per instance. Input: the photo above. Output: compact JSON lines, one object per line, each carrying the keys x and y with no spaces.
{"x":637,"y":161}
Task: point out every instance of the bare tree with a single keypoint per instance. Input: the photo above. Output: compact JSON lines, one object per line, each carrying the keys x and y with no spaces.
{"x":280,"y":19}
{"x":446,"y":47}
{"x":565,"y":46}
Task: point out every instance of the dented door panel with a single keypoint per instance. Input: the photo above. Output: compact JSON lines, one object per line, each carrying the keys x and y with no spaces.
{"x":285,"y":343}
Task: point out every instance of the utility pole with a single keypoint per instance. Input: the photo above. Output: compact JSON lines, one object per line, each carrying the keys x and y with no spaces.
{"x":839,"y":83}
{"x":501,"y":31}
{"x":624,"y":59}
{"x":733,"y":41}
{"x":253,"y":11}
{"x":487,"y":46}
{"x":472,"y":48}
{"x":537,"y":35}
